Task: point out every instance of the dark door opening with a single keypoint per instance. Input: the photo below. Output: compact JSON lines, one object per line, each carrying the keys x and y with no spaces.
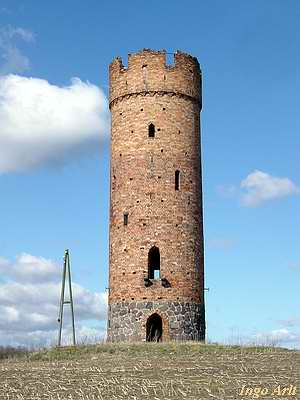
{"x":154,"y":328}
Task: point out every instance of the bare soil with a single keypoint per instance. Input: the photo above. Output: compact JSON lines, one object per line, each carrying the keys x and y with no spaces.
{"x":152,"y":371}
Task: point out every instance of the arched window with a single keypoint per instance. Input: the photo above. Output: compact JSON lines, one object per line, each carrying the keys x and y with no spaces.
{"x":177,"y":176}
{"x":151,"y":130}
{"x":154,"y":263}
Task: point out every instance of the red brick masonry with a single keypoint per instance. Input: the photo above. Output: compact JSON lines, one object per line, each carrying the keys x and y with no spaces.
{"x":143,"y":186}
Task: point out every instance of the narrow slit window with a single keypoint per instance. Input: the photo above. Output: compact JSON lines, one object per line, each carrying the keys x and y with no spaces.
{"x":177,"y":179}
{"x":151,"y":130}
{"x":154,"y":263}
{"x":125,"y":219}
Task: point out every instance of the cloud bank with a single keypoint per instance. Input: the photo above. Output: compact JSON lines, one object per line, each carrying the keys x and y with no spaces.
{"x":282,"y":337}
{"x":42,"y":123}
{"x":260,"y":187}
{"x":29,"y":299}
{"x":278,"y":337}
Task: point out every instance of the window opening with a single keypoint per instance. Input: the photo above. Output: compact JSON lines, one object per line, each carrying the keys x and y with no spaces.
{"x":177,"y":175}
{"x":154,"y":263}
{"x":151,"y":130}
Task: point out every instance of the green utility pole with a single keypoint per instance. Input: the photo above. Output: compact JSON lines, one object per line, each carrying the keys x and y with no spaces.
{"x":66,"y":273}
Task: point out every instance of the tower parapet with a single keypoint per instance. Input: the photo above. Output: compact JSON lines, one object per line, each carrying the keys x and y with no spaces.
{"x":147,"y":72}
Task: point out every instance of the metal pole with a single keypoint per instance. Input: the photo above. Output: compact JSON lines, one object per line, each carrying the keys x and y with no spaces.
{"x":71,"y":300}
{"x":66,"y":274}
{"x":62,"y":298}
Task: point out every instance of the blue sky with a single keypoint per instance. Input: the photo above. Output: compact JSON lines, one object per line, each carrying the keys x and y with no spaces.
{"x":54,"y":178}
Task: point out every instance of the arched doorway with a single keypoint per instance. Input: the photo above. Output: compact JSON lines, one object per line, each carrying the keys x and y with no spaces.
{"x":154,"y":328}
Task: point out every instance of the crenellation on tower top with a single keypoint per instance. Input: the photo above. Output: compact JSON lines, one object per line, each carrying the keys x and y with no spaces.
{"x":116,"y":65}
{"x":147,"y":57}
{"x":156,"y":57}
{"x":148,"y":71}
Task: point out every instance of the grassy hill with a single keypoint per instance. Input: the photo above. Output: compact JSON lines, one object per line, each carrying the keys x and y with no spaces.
{"x":152,"y":371}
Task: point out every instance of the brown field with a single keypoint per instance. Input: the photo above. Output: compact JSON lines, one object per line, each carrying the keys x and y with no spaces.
{"x":158,"y":371}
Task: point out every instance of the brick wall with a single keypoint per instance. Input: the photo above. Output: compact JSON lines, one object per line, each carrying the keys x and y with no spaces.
{"x":143,"y":186}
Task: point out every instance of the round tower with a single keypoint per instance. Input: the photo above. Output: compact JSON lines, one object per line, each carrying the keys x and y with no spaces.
{"x":156,"y":260}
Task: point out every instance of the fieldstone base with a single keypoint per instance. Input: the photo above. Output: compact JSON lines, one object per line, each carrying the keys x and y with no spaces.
{"x":181,"y":321}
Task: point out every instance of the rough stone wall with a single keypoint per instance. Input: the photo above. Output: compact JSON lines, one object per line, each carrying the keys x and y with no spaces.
{"x":181,"y":321}
{"x":143,"y":184}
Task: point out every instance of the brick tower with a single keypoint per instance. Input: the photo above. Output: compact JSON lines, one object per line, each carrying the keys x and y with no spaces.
{"x":156,"y":267}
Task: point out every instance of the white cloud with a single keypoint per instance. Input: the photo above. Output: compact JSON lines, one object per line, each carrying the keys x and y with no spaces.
{"x":25,"y":34}
{"x":260,"y":187}
{"x":29,"y":299}
{"x":13,"y":60}
{"x":277,"y":337}
{"x":8,"y":33}
{"x":42,"y":123}
{"x":28,"y":268}
{"x":37,"y":338}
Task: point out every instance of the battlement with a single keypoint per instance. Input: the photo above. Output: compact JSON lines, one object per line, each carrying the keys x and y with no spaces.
{"x":148,"y":71}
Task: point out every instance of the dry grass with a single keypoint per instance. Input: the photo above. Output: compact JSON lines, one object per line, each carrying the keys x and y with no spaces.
{"x":12,"y":352}
{"x":148,"y":371}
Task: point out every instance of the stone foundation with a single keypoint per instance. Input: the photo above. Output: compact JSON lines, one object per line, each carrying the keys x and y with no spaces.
{"x":180,"y":320}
